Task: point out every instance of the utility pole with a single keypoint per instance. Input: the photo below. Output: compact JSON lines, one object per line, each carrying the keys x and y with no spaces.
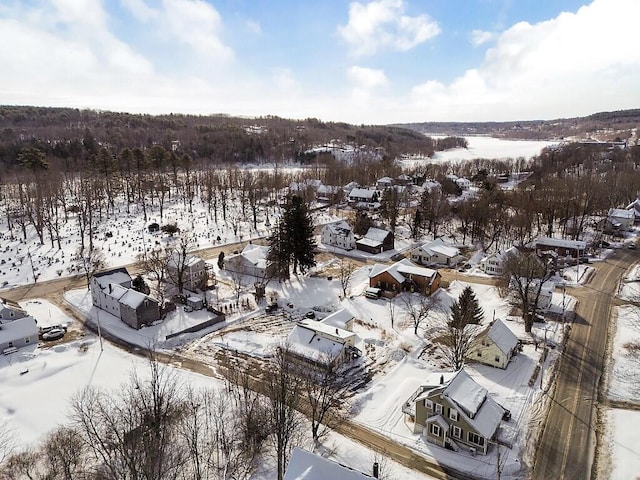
{"x":498,"y":467}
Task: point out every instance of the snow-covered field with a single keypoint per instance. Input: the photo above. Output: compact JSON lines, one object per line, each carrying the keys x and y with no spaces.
{"x":489,"y":148}
{"x":623,"y":424}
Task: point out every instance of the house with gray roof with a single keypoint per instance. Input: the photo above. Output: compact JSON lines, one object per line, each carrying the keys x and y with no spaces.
{"x":252,"y":261}
{"x":18,"y":333}
{"x":437,"y":252}
{"x":111,"y":292}
{"x":10,"y":310}
{"x":452,"y":410}
{"x":376,"y":240}
{"x":318,"y":343}
{"x":338,"y":234}
{"x":494,"y":346}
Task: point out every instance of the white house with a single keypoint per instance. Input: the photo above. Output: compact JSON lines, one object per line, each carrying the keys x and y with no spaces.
{"x":111,"y":292}
{"x":384,"y":182}
{"x":621,"y":219}
{"x":437,"y":252}
{"x":305,"y":465}
{"x":317,"y":342}
{"x":494,"y":346}
{"x":251,"y":261}
{"x":342,"y":319}
{"x":194,"y":271}
{"x":10,"y":310}
{"x":463,"y":183}
{"x":338,"y":234}
{"x":493,"y":264}
{"x":363,"y":195}
{"x":18,"y":333}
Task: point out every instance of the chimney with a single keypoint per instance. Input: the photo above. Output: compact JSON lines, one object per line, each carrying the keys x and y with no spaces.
{"x":376,"y":469}
{"x":336,"y":330}
{"x":441,"y":379}
{"x":110,"y":288}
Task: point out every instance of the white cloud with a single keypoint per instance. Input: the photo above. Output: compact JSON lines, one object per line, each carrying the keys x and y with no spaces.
{"x":570,"y":65}
{"x":382,"y":24}
{"x":140,"y":9}
{"x":480,"y":37}
{"x":284,"y":79}
{"x":197,"y":24}
{"x":367,"y":78}
{"x":254,"y":27}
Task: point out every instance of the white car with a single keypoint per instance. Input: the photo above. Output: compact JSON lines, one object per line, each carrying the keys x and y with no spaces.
{"x":53,"y":334}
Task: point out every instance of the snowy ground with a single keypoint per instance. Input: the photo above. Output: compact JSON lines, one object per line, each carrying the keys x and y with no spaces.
{"x":624,"y":384}
{"x":487,"y":147}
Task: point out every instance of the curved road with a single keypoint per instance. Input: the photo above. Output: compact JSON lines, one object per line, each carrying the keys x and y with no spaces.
{"x":567,"y":444}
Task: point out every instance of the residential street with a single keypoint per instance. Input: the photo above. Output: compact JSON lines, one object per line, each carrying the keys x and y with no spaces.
{"x":567,"y":446}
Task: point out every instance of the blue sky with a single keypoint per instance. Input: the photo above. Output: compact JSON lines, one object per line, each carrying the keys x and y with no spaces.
{"x":378,"y":61}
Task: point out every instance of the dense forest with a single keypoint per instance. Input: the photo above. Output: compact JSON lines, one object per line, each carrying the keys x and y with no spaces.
{"x":68,"y":133}
{"x":605,"y":126}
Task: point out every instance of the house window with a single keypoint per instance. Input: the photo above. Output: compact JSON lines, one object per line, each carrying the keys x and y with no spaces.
{"x":453,"y":414}
{"x":456,"y":432}
{"x":27,"y":340}
{"x":479,"y":353}
{"x":438,"y":408}
{"x":428,"y":404}
{"x":435,"y":430}
{"x":497,"y":358}
{"x":475,"y":439}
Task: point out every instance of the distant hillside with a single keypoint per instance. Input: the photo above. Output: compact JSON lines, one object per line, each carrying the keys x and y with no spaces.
{"x":68,"y":132}
{"x":601,"y":126}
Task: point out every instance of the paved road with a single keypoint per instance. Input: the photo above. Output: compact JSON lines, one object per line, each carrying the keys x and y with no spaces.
{"x":568,"y":441}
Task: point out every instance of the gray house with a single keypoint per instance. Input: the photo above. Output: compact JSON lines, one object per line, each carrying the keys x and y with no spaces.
{"x":18,"y":333}
{"x":453,"y":411}
{"x":111,"y":292}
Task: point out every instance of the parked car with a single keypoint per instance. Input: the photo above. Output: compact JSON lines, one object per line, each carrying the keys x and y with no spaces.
{"x":631,"y":246}
{"x":53,"y":334}
{"x":272,"y":307}
{"x":604,"y":244}
{"x":310,"y":314}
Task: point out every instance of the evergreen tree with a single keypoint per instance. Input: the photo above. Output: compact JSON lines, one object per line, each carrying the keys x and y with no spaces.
{"x":362,"y":223}
{"x":279,"y":255}
{"x":466,"y":310}
{"x":299,"y":230}
{"x":292,"y":242}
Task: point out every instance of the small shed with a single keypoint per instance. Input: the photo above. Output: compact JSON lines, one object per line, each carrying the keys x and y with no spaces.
{"x":195,"y":302}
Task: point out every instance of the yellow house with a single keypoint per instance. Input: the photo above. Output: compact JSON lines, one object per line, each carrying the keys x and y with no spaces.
{"x":494,"y":346}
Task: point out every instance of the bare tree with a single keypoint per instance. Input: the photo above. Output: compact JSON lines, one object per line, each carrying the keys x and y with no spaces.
{"x":345,"y":271}
{"x":7,"y":441}
{"x":133,"y":434}
{"x":326,"y":391}
{"x":65,"y":454}
{"x":391,"y":309}
{"x":524,"y":276}
{"x":90,"y":262}
{"x":238,"y":280}
{"x":418,"y":309}
{"x":283,"y":388}
{"x":22,"y":464}
{"x":455,"y":344}
{"x":154,"y":264}
{"x":178,"y":261}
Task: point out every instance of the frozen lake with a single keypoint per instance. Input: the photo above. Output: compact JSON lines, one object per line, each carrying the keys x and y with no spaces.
{"x":488,"y":147}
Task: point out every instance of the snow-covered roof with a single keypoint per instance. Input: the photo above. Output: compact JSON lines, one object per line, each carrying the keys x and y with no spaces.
{"x":189,"y":261}
{"x":256,"y":254}
{"x":441,"y":247}
{"x":621,"y":213}
{"x":10,"y":305}
{"x":313,"y":339}
{"x":338,"y":319}
{"x":339,"y":228}
{"x":18,"y":328}
{"x":502,"y":336}
{"x":559,"y":242}
{"x":304,"y":465}
{"x":439,"y":419}
{"x":117,"y":276}
{"x":385,"y":180}
{"x":482,"y":412}
{"x":133,"y":298}
{"x":400,"y":269}
{"x":377,"y":234}
{"x":362,"y":193}
{"x":369,"y":242}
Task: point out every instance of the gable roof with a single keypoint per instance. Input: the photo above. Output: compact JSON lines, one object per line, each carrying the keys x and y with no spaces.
{"x":362,"y":193}
{"x":482,"y":412}
{"x":376,"y":234}
{"x":313,"y":339}
{"x":305,"y":465}
{"x":256,"y":254}
{"x":560,"y":242}
{"x":338,"y":318}
{"x":8,"y":304}
{"x":621,"y":213}
{"x":439,"y":246}
{"x":18,"y":328}
{"x":401,"y":270}
{"x":502,"y":336}
{"x":340,"y":227}
{"x":117,"y":276}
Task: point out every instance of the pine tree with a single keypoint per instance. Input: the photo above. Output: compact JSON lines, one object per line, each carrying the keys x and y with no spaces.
{"x":292,"y":242}
{"x":466,"y":310}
